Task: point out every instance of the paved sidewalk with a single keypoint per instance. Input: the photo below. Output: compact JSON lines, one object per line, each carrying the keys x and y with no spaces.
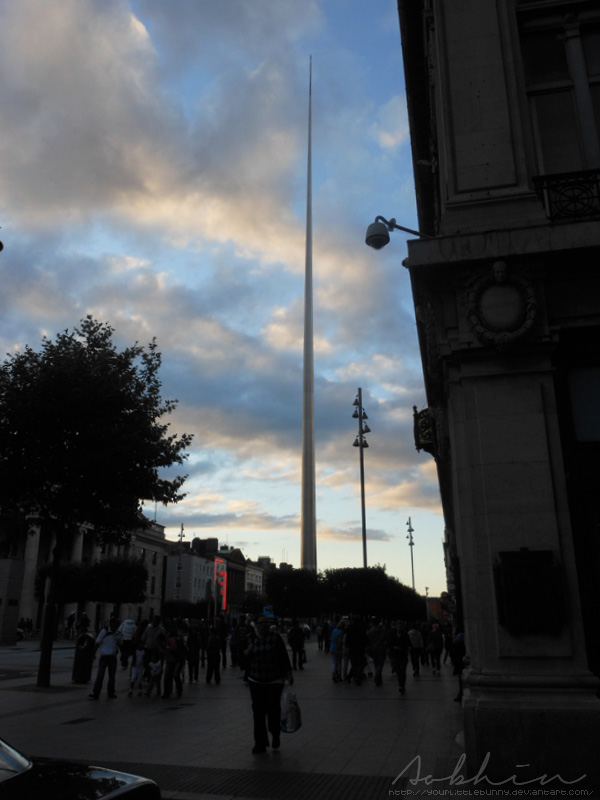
{"x":354,"y":741}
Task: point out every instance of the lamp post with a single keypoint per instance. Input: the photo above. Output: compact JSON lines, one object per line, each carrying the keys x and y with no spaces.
{"x":179,"y":567}
{"x":411,"y":544}
{"x":361,"y":442}
{"x":427,"y":602}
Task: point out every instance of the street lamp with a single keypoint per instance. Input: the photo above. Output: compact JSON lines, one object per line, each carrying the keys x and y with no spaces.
{"x":179,"y":566}
{"x":378,"y":232}
{"x":411,"y":544}
{"x":360,"y":414}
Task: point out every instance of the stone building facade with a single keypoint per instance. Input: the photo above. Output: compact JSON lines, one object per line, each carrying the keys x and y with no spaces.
{"x":504,"y":110}
{"x":22,"y":555}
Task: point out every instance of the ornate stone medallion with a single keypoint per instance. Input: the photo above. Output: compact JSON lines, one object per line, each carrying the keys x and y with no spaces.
{"x":501,"y":307}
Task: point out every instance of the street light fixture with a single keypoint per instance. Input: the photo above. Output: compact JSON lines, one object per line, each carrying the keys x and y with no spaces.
{"x":361,"y":415}
{"x":179,"y":567}
{"x":378,"y":232}
{"x":411,"y":544}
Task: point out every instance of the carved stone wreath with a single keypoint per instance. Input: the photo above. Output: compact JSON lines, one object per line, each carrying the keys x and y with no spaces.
{"x":501,"y":307}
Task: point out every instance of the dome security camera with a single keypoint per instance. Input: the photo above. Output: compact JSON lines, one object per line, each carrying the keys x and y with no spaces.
{"x":377,"y":235}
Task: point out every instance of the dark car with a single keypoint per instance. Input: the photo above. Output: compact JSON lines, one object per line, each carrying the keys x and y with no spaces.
{"x":23,"y":778}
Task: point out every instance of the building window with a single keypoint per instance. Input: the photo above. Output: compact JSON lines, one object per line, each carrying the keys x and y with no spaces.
{"x":561,"y":64}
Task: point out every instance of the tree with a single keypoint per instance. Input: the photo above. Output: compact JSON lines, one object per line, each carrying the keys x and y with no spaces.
{"x":71,"y":587}
{"x":293,"y":592}
{"x":114,"y":580}
{"x":371,"y":592}
{"x":118,"y":580}
{"x":82,"y":440}
{"x":254,"y":603}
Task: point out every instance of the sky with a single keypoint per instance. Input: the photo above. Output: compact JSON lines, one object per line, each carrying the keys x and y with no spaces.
{"x":153,"y":158}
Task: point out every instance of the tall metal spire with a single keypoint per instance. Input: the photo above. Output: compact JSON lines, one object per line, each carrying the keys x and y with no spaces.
{"x":309,"y":517}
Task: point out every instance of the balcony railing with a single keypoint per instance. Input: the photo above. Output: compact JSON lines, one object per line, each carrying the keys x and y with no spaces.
{"x":570,"y":195}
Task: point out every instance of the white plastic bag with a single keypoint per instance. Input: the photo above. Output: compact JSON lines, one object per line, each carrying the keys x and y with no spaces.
{"x":291,"y":718}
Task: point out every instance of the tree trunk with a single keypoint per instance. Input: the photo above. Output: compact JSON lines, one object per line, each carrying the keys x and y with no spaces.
{"x":49,"y":626}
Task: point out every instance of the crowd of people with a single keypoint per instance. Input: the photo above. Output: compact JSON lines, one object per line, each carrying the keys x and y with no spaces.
{"x":359,"y":649}
{"x":162,"y":654}
{"x":159,"y":654}
{"x":24,"y":629}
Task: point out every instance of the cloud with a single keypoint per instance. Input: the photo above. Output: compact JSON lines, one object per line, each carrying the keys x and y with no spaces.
{"x":153,"y":174}
{"x":391,"y":126}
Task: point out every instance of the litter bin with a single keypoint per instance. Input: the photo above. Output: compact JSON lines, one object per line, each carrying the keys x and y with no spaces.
{"x":84,"y":658}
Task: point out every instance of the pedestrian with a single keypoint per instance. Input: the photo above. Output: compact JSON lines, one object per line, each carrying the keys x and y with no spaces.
{"x":425,"y":630}
{"x":377,"y":648}
{"x":296,"y":642}
{"x":222,"y":630}
{"x":320,"y":637}
{"x":174,"y":661}
{"x":345,"y":659}
{"x":435,"y":644}
{"x":356,"y":641}
{"x":193,"y":653}
{"x":83,"y":624}
{"x":448,"y":641}
{"x":137,"y":660}
{"x":416,"y":648}
{"x":151,"y":639}
{"x":213,"y":655}
{"x":203,"y":632}
{"x":335,"y":650}
{"x":398,"y":647}
{"x":127,"y":629}
{"x":268,"y":666}
{"x":232,"y":641}
{"x":155,"y":667}
{"x":107,"y":645}
{"x":70,"y":626}
{"x":241,"y":639}
{"x":458,"y":657}
{"x":330,"y":626}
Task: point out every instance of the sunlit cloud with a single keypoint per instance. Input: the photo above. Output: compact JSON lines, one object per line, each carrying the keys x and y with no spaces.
{"x":153,"y":175}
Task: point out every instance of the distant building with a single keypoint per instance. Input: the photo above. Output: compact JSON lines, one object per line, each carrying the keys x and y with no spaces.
{"x":150,"y":546}
{"x":266,"y":562}
{"x":254,"y":578}
{"x":20,"y":559}
{"x":205,"y":547}
{"x":189,"y":577}
{"x":236,"y":578}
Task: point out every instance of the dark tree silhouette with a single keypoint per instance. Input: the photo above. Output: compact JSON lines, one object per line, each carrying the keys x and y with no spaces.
{"x":82,"y":440}
{"x":115,"y":580}
{"x":364,"y":592}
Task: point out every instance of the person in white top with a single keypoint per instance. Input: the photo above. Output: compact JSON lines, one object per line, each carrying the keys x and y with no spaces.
{"x":107,"y":645}
{"x":127,"y":630}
